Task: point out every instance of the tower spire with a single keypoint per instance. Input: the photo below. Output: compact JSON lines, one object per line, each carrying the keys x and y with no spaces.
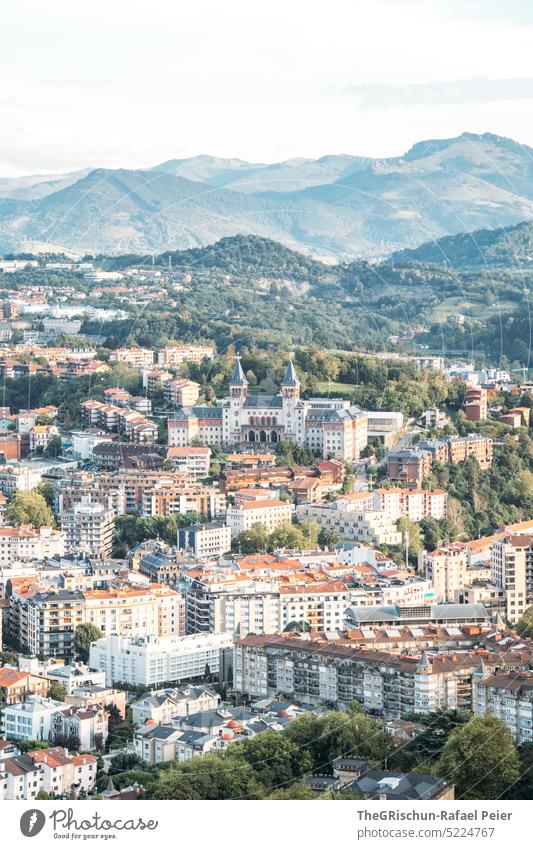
{"x":238,"y":378}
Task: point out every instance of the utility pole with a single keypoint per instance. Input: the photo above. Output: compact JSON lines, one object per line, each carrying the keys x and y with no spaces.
{"x":406,"y":543}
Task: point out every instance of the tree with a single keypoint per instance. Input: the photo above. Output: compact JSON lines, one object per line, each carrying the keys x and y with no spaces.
{"x":48,"y":492}
{"x":253,"y":540}
{"x":481,"y":759}
{"x":57,"y":691}
{"x":413,"y":532}
{"x":524,"y":626}
{"x":68,"y":741}
{"x":85,"y":634}
{"x":54,"y":447}
{"x":29,"y":508}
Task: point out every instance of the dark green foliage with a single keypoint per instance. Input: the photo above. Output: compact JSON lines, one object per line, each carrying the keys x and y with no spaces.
{"x":481,"y":759}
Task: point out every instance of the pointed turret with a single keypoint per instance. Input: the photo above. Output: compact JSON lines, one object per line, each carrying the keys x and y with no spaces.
{"x":238,"y":377}
{"x":290,"y":378}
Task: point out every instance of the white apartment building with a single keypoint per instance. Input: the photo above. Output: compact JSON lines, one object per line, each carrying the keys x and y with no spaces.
{"x":149,"y":661}
{"x":352,"y":521}
{"x":89,"y":529}
{"x":28,"y":543}
{"x":272,"y":513}
{"x":75,"y":675}
{"x":192,"y":460}
{"x":509,"y":696}
{"x":446,"y":569}
{"x":31,"y":719}
{"x":414,"y":504}
{"x":208,"y":540}
{"x":512,"y":570}
{"x":19,"y":479}
{"x":63,"y":773}
{"x":20,"y":777}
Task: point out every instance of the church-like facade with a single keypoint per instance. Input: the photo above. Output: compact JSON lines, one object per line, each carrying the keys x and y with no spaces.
{"x":330,"y":426}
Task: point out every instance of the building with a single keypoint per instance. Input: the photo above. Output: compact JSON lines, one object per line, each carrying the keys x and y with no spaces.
{"x":208,"y":540}
{"x":446,"y":568}
{"x":89,"y":529}
{"x":40,"y":436}
{"x":331,"y":427}
{"x":176,"y":355}
{"x":451,"y":615}
{"x":65,"y":774}
{"x":409,"y":467}
{"x":162,"y":706}
{"x":73,"y":676}
{"x":152,"y":661}
{"x":475,"y":404}
{"x":181,"y":392}
{"x":191,"y":460}
{"x":130,"y":611}
{"x":415,"y":504}
{"x":335,"y":672}
{"x":30,"y":719}
{"x":16,"y":685}
{"x":87,"y":724}
{"x":135,"y":357}
{"x":512,"y":570}
{"x":509,"y":696}
{"x":353,"y":518}
{"x":20,"y":777}
{"x":270,"y":512}
{"x":26,"y":543}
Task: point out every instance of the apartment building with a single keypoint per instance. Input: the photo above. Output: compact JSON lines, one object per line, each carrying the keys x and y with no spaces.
{"x":457,"y":449}
{"x":135,"y":612}
{"x":271,"y":512}
{"x":30,"y":719}
{"x":169,"y":499}
{"x":15,"y":479}
{"x":336,"y":672}
{"x":414,"y":504}
{"x":162,"y":706}
{"x":44,"y":622}
{"x":16,"y":685}
{"x":219,"y":602}
{"x":208,"y":540}
{"x":353,"y":519}
{"x":20,"y":777}
{"x":28,"y":543}
{"x":89,"y":529}
{"x":191,"y":460}
{"x":63,"y":773}
{"x":174,"y":356}
{"x":509,"y":696}
{"x":151,"y":661}
{"x":88,"y":724}
{"x":475,"y":404}
{"x":73,"y":676}
{"x":409,"y":467}
{"x":512,"y":570}
{"x":134,"y":357}
{"x":446,"y":569}
{"x":181,"y":392}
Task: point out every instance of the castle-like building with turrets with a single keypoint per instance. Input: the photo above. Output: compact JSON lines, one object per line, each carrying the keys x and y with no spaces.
{"x":329,"y":426}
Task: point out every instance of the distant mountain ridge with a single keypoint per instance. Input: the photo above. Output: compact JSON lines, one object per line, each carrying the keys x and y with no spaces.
{"x":338,"y":206}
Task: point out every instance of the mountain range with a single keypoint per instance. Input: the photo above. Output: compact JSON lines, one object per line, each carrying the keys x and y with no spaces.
{"x":338,"y":206}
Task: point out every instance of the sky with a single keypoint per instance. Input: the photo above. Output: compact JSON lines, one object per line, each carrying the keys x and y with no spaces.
{"x":130,"y":84}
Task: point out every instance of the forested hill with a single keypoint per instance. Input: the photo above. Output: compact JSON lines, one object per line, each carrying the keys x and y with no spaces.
{"x":239,"y":255}
{"x":507,"y":246}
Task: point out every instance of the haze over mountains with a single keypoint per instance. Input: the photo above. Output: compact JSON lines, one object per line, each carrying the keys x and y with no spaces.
{"x":338,"y":206}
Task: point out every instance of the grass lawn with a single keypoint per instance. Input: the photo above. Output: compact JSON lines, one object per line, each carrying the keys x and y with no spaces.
{"x":325,"y":386}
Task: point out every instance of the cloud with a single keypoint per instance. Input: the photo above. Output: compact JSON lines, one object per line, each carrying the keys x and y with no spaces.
{"x":476,"y":90}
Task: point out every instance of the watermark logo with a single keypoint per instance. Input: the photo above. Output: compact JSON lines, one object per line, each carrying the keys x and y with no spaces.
{"x":32,"y":822}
